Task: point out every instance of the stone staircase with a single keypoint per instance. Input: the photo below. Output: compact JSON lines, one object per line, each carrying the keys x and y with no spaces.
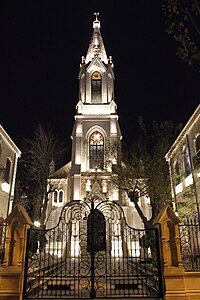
{"x":53,"y":217}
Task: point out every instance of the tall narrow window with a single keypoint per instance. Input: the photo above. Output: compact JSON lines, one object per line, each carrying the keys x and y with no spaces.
{"x":196,"y":158}
{"x":61,"y":196}
{"x":96,"y":150}
{"x":187,"y":161}
{"x":96,"y":87}
{"x":177,"y":173}
{"x":197,"y":145}
{"x":55,"y":195}
{"x":7,"y":170}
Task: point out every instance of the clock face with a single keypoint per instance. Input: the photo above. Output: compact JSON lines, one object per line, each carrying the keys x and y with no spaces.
{"x":96,"y":138}
{"x":96,"y":76}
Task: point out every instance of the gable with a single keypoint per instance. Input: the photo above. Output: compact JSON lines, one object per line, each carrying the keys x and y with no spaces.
{"x":63,"y":172}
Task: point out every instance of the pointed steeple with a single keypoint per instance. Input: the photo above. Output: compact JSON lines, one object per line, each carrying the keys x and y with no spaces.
{"x":96,"y":46}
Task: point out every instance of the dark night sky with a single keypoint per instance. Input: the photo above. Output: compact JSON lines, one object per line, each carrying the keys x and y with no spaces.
{"x":41,"y":44}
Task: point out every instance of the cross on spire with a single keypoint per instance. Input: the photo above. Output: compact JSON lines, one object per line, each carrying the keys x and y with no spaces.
{"x":96,"y":14}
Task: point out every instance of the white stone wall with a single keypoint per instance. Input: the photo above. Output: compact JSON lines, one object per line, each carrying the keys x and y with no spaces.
{"x":8,"y":150}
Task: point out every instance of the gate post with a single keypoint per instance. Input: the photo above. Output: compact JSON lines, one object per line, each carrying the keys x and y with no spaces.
{"x":173,"y":271}
{"x":12,"y":272}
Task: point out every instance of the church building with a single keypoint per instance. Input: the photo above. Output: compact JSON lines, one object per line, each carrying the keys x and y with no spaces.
{"x":96,"y":129}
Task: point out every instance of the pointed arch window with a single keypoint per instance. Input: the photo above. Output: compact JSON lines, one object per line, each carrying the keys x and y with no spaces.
{"x":61,"y":196}
{"x":55,"y":195}
{"x":58,"y":197}
{"x":96,"y":88}
{"x":96,"y":150}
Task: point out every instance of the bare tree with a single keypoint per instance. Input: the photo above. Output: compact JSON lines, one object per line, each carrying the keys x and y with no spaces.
{"x":40,"y":150}
{"x":143,"y":168}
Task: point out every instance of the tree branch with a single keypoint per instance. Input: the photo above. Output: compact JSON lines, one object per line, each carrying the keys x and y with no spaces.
{"x":197,"y":5}
{"x":190,"y":16}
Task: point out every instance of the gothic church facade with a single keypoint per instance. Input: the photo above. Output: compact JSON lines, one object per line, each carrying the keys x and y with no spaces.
{"x":96,"y":128}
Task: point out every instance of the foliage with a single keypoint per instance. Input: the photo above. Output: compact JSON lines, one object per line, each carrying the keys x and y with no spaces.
{"x":32,"y":181}
{"x":186,"y":211}
{"x":190,"y":193}
{"x":187,"y":207}
{"x":182,"y":22}
{"x":23,"y":191}
{"x":142,"y":168}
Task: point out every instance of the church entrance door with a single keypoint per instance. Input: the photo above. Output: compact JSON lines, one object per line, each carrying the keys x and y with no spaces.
{"x":92,"y":253}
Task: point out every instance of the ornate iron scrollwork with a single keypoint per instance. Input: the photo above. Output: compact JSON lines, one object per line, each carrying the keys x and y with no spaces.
{"x":92,"y":253}
{"x":190,"y":245}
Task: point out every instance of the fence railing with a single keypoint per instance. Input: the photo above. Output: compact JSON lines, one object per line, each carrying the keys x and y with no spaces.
{"x":189,"y":234}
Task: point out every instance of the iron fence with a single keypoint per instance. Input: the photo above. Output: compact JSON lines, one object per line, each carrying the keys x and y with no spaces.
{"x":189,"y":233}
{"x":92,"y":253}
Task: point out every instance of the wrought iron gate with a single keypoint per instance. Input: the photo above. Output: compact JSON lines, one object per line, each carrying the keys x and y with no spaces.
{"x":92,"y":253}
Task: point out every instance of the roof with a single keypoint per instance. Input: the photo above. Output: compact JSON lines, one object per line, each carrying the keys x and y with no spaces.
{"x":4,"y":134}
{"x":62,"y":172}
{"x":96,"y":46}
{"x":193,"y":119}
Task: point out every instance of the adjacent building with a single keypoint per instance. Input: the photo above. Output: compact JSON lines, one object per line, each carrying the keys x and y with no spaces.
{"x":9,"y":154}
{"x":184,"y":164}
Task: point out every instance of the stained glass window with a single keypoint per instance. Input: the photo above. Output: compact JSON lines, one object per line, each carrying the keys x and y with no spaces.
{"x":96,"y":87}
{"x":96,"y":150}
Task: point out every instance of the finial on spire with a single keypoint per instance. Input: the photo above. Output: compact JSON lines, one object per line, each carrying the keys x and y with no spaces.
{"x":96,"y":23}
{"x":96,"y":14}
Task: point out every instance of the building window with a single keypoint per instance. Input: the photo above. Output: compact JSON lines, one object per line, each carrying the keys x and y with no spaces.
{"x":58,"y":197}
{"x":177,"y":172}
{"x":196,"y":158}
{"x":96,"y":150}
{"x":61,"y":196}
{"x":55,"y":196}
{"x":7,"y":170}
{"x":187,"y":163}
{"x":96,"y":88}
{"x":197,"y":144}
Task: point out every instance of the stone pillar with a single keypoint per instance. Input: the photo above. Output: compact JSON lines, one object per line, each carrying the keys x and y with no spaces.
{"x":12,"y":272}
{"x":173,"y":271}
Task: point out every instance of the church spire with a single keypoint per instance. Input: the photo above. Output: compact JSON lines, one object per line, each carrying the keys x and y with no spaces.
{"x":96,"y":46}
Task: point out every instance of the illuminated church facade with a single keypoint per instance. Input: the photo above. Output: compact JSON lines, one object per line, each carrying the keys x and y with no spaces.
{"x":96,"y":128}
